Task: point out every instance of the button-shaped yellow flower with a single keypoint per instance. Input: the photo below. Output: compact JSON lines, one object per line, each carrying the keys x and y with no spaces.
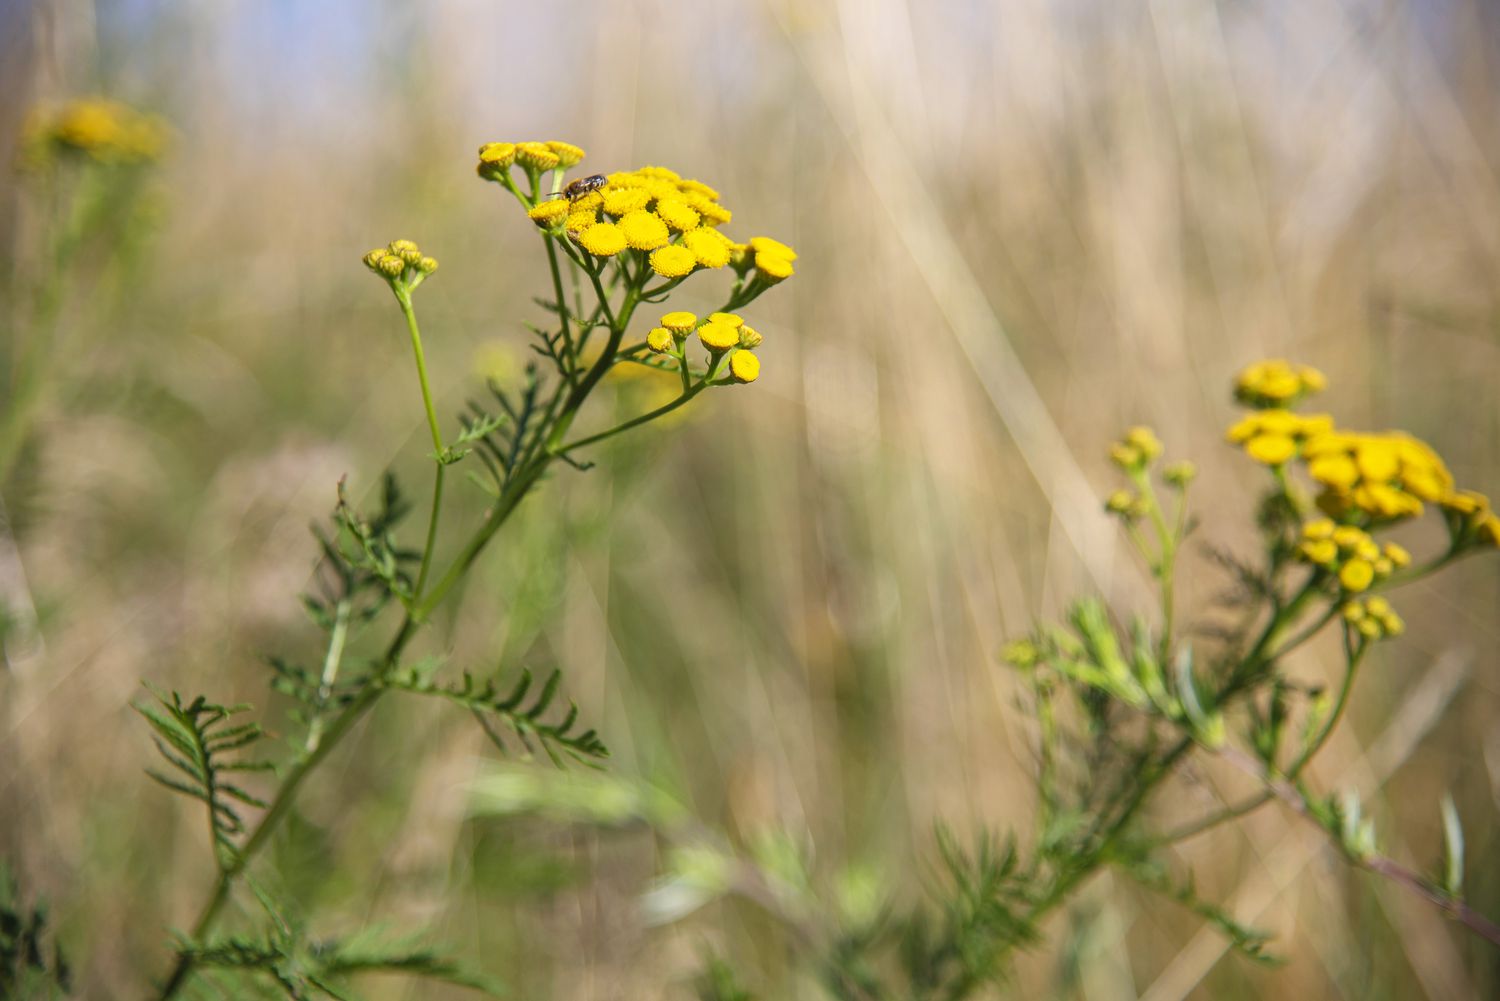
{"x":550,"y":212}
{"x":676,"y":213}
{"x":673,"y":261}
{"x":772,"y":267}
{"x":744,"y":366}
{"x":644,"y":230}
{"x":766,"y":245}
{"x":1357,"y":575}
{"x":709,"y":246}
{"x":623,"y":201}
{"x":718,"y":336}
{"x":602,"y":239}
{"x":568,"y":155}
{"x":536,"y":156}
{"x":680,"y":322}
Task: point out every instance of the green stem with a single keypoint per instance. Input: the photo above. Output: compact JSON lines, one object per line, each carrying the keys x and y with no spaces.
{"x":403,"y":296}
{"x":432,"y":528}
{"x":331,"y":662}
{"x":633,"y":422}
{"x":562,"y":302}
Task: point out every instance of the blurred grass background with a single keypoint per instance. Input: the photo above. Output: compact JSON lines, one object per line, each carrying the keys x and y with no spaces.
{"x":1023,"y":225}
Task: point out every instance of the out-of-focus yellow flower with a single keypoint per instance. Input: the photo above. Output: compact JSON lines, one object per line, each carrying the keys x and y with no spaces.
{"x":1144,"y":440}
{"x":744,"y":366}
{"x":1120,"y":502}
{"x":1274,"y":437}
{"x":103,"y":130}
{"x":568,"y":155}
{"x":773,"y":267}
{"x":1373,"y":618}
{"x":1180,"y":474}
{"x":644,"y":230}
{"x":1386,"y":476}
{"x":766,"y":245}
{"x":1357,"y":575}
{"x":1397,"y":554}
{"x":536,"y":156}
{"x":673,"y":261}
{"x":1276,"y":382}
{"x":602,"y":239}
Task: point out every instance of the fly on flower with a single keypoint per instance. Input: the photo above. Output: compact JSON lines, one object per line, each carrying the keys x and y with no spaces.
{"x":582,"y":186}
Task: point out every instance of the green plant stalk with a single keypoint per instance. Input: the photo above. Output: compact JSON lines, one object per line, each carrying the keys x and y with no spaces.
{"x":331,"y":661}
{"x":432,"y":529}
{"x":403,"y":296}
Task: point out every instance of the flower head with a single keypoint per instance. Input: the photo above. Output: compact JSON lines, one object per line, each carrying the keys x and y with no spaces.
{"x":673,"y":261}
{"x":536,"y":156}
{"x":679,"y":322}
{"x":644,"y":230}
{"x":744,"y":366}
{"x":659,"y":339}
{"x":1276,"y":382}
{"x":717,"y":335}
{"x":548,"y":213}
{"x":602,"y":239}
{"x":567,"y":154}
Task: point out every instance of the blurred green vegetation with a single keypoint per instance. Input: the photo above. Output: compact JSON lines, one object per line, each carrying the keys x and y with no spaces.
{"x":783,"y":610}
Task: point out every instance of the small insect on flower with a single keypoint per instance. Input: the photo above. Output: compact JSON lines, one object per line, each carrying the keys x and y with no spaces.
{"x":582,"y":186}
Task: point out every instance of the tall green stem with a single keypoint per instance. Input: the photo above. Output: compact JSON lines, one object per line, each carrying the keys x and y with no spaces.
{"x":403,"y":296}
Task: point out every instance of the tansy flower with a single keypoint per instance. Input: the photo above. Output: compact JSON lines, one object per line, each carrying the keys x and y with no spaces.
{"x":549,"y":212}
{"x":643,"y":230}
{"x":500,"y":155}
{"x":750,"y":337}
{"x":603,"y":239}
{"x":1357,"y":575}
{"x":568,"y":155}
{"x":676,"y":213}
{"x":772,"y":267}
{"x":734,"y":320}
{"x":1276,"y":383}
{"x":673,"y":261}
{"x":1386,"y":475}
{"x":744,"y":366}
{"x":679,"y":322}
{"x":1273,"y":437}
{"x":718,"y":336}
{"x":709,"y":246}
{"x":1120,"y":502}
{"x":622,"y":201}
{"x":580,"y":221}
{"x":659,"y":339}
{"x":766,"y":245}
{"x":712,"y":213}
{"x":536,"y":156}
{"x":690,"y":185}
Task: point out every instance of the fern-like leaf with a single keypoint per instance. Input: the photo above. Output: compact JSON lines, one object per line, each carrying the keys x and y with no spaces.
{"x":197,"y":740}
{"x":517,"y":710}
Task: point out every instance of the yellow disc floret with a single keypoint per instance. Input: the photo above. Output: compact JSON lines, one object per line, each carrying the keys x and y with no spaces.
{"x":680,"y":322}
{"x":717,"y":336}
{"x":659,"y":339}
{"x":550,"y":212}
{"x":676,"y":213}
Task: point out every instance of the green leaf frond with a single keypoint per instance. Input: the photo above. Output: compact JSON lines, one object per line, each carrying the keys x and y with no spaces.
{"x":1154,"y":876}
{"x":199,"y":741}
{"x":362,"y":564}
{"x":517,"y":709}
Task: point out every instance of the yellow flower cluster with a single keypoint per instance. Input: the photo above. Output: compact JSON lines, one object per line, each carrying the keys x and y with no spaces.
{"x":1276,"y":382}
{"x":1377,"y":476}
{"x":1373,"y":618}
{"x":1351,"y":553}
{"x":654,"y":210}
{"x":1385,"y":475}
{"x":1274,"y":437}
{"x":103,"y":130}
{"x":1471,"y":519}
{"x":719,"y":333}
{"x":1138,"y":449}
{"x":400,"y":261}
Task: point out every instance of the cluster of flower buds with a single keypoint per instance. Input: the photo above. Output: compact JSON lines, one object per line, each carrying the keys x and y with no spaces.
{"x":1350,"y":553}
{"x":401,"y":262}
{"x":1373,"y":618}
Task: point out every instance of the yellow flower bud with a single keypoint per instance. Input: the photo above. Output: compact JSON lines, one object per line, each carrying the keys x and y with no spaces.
{"x":427,"y":265}
{"x":1356,"y":575}
{"x":772,"y":267}
{"x":1180,"y":474}
{"x":750,"y":337}
{"x":1319,"y":528}
{"x":1120,"y":502}
{"x":548,"y":213}
{"x":766,"y":245}
{"x":536,"y":156}
{"x":392,"y":266}
{"x":659,"y":339}
{"x":1144,"y":440}
{"x":373,"y":258}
